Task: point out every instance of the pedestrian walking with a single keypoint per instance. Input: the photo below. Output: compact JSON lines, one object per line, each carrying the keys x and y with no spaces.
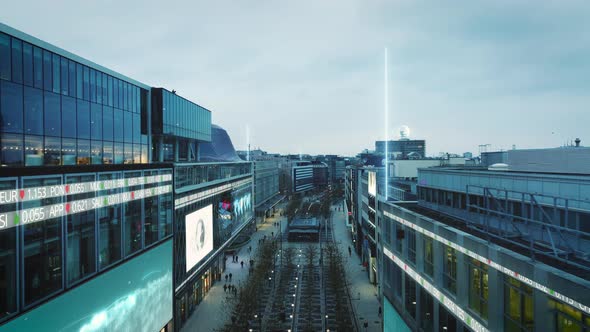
{"x":250,"y":249}
{"x":242,"y":264}
{"x":225,"y":288}
{"x":230,"y":275}
{"x":235,"y":291}
{"x":380,"y":311}
{"x":272,"y":234}
{"x":349,"y":252}
{"x":226,"y":277}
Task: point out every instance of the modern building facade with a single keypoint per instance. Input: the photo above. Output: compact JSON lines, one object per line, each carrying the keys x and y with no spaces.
{"x":109,"y":220}
{"x":403,"y":148}
{"x":488,"y":250}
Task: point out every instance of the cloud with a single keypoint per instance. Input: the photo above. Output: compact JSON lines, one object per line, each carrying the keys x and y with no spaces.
{"x":307,"y":76}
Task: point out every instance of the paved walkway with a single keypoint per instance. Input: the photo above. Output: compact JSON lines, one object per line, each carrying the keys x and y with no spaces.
{"x":210,"y":313}
{"x":364,"y":294}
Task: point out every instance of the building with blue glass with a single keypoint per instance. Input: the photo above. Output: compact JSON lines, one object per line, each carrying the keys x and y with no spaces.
{"x":109,"y":218}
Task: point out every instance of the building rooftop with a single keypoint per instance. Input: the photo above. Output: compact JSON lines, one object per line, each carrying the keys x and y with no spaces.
{"x":574,"y":265}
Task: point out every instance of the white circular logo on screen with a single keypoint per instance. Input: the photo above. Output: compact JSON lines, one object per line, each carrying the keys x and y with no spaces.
{"x":200,"y":235}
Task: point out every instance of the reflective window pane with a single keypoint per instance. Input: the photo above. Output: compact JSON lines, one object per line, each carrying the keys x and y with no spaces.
{"x":86,"y":86}
{"x":96,"y":121}
{"x":33,"y":150}
{"x":99,"y":87}
{"x":52,"y":110}
{"x":56,"y":73}
{"x":28,"y":64}
{"x":132,"y":221}
{"x":107,"y":152}
{"x":83,"y":119}
{"x":71,"y":78}
{"x":17,"y":60}
{"x":80,"y":254}
{"x":5,"y":65}
{"x":107,"y":123}
{"x":47,"y":64}
{"x":109,"y":220}
{"x":52,"y":151}
{"x":110,"y":90}
{"x":33,"y":105}
{"x":128,"y":125}
{"x":38,"y":67}
{"x":118,"y":125}
{"x":11,"y":107}
{"x":118,"y":153}
{"x":68,"y":110}
{"x":68,"y":151}
{"x":64,"y":76}
{"x":151,"y":208}
{"x":42,"y":261}
{"x":83,"y":157}
{"x":96,"y":152}
{"x":79,"y":81}
{"x":92,"y":86}
{"x":12,"y":149}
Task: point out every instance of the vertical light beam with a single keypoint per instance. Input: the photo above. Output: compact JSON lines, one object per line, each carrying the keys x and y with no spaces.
{"x":386,"y":108}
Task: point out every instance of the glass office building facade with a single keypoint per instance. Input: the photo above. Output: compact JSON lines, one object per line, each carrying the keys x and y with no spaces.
{"x":92,"y":216}
{"x":58,"y":110}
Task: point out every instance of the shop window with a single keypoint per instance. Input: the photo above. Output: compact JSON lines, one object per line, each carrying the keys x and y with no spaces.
{"x":518,"y":306}
{"x":450,"y":269}
{"x":478,"y":287}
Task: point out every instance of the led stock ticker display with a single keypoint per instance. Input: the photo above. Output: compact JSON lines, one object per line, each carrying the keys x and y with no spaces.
{"x":46,"y":212}
{"x":492,"y":264}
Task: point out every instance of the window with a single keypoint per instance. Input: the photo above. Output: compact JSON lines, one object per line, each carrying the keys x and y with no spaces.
{"x":56,"y":73}
{"x":152,"y":213}
{"x":128,"y":154}
{"x":64,"y":76}
{"x":136,"y":153}
{"x":410,"y":298}
{"x":109,"y":220}
{"x":79,"y":81}
{"x":132,"y":220}
{"x":128,"y":124}
{"x":68,"y":109}
{"x":52,"y":153}
{"x":42,"y":261}
{"x":80,"y":254}
{"x":47,"y":65}
{"x":136,"y":128}
{"x":12,"y":149}
{"x":116,"y":93}
{"x":8,"y":285}
{"x":446,"y":320}
{"x":118,"y":129}
{"x":99,"y":87}
{"x":11,"y":107}
{"x":33,"y":105}
{"x":426,"y":319}
{"x":107,"y":152}
{"x":518,"y":306}
{"x":104,"y":88}
{"x":569,"y":319}
{"x":118,"y":153}
{"x":83,"y":119}
{"x":478,"y":287}
{"x":110,"y":90}
{"x":28,"y":64}
{"x":5,"y":65}
{"x":33,"y":150}
{"x":86,"y":86}
{"x":83,"y":157}
{"x":411,"y":245}
{"x":71,"y":78}
{"x":52,"y":111}
{"x":450,"y":269}
{"x":17,"y":60}
{"x":68,"y":151}
{"x":92,"y":86}
{"x":96,"y":121}
{"x":96,"y":152}
{"x":38,"y":67}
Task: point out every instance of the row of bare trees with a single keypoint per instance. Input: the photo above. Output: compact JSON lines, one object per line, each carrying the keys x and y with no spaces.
{"x":244,"y":310}
{"x":336,"y":284}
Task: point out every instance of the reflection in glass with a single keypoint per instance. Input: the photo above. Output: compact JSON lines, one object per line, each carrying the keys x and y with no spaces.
{"x":83,"y":157}
{"x":43,"y":250}
{"x":33,"y":105}
{"x":52,"y":150}
{"x":80,"y":252}
{"x":132,"y":220}
{"x":17,"y":60}
{"x":68,"y":110}
{"x":12,"y":149}
{"x":96,"y":152}
{"x":11,"y":107}
{"x":68,"y":151}
{"x":109,"y":219}
{"x":107,"y":150}
{"x":33,"y":150}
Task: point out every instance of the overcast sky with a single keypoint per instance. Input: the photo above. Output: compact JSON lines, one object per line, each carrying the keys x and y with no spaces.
{"x":307,"y":76}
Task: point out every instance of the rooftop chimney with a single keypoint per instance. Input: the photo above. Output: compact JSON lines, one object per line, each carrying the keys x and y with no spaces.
{"x":577,"y":142}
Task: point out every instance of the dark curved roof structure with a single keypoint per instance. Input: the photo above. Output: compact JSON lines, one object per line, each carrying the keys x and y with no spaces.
{"x":220,"y":148}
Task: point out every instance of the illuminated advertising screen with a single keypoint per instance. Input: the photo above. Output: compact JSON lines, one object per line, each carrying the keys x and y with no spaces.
{"x":199,"y":235}
{"x":373,"y":184}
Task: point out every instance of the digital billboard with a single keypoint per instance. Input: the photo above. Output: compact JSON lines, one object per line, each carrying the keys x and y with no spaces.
{"x":199,"y":235}
{"x":373,"y":184}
